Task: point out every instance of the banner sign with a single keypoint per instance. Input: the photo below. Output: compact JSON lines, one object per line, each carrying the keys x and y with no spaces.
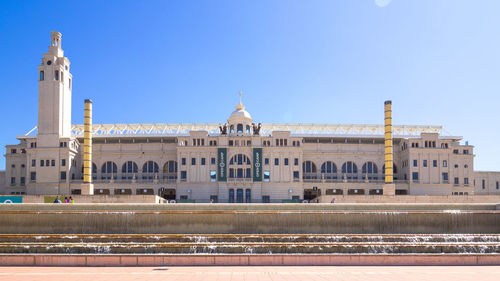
{"x":221,"y":164}
{"x":257,"y":164}
{"x":11,"y":199}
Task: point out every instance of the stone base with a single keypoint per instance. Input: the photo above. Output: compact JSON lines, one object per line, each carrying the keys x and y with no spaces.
{"x":389,"y":189}
{"x":247,"y":260}
{"x":87,"y":189}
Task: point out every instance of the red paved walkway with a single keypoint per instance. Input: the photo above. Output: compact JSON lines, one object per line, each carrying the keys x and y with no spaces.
{"x":351,"y":273}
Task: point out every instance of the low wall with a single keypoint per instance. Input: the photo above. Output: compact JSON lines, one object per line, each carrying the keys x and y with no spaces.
{"x":408,"y":199}
{"x":66,"y":218}
{"x":237,"y":260}
{"x":88,"y":198}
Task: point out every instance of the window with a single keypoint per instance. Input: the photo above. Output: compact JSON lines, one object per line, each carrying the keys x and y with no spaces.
{"x":445,"y":163}
{"x":23,"y":181}
{"x":150,"y":167}
{"x":466,"y":181}
{"x":13,"y":165}
{"x":415,"y":163}
{"x":203,"y":161}
{"x":56,"y":75}
{"x":13,"y":151}
{"x":230,"y":142}
{"x":296,"y":161}
{"x":415,"y":176}
{"x":248,"y":195}
{"x":466,"y":151}
{"x":193,"y":161}
{"x":183,"y":175}
{"x":483,"y":184}
{"x":63,"y":175}
{"x":498,"y":185}
{"x":266,"y":161}
{"x":231,"y":196}
{"x":12,"y":181}
{"x":456,"y":181}
{"x":434,"y":163}
{"x":295,"y":175}
{"x":213,"y":176}
{"x":455,"y":151}
{"x":212,"y":161}
{"x":456,"y":166}
{"x":425,"y":163}
{"x":53,"y":162}
{"x":267,"y":176}
{"x":466,"y":166}
{"x":42,"y":163}
{"x":266,"y":199}
{"x":276,"y":161}
{"x":42,"y":75}
{"x":349,"y":168}
{"x":33,"y":176}
{"x":286,"y":161}
{"x":183,"y":161}
{"x":445,"y":177}
{"x":63,"y":162}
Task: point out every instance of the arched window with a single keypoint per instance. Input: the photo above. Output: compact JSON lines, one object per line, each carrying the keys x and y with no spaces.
{"x":370,"y":170}
{"x":242,"y":170}
{"x":231,"y":129}
{"x":109,"y":170}
{"x":129,"y":169}
{"x":309,"y":170}
{"x":239,"y":128}
{"x":149,"y":169}
{"x":350,"y":170}
{"x":170,"y":170}
{"x":248,"y":129}
{"x":329,"y":170}
{"x":239,"y":159}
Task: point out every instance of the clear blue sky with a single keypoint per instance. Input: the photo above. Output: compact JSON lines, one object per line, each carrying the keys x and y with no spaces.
{"x":296,"y":61}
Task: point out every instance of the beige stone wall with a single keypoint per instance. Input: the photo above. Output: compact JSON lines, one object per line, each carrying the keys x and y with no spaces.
{"x":411,"y":199}
{"x":487,"y":183}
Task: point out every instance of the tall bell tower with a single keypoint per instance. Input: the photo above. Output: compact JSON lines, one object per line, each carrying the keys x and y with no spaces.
{"x":54,"y":95}
{"x":52,"y":157}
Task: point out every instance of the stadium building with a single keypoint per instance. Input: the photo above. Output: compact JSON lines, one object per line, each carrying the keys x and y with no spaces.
{"x":240,"y":160}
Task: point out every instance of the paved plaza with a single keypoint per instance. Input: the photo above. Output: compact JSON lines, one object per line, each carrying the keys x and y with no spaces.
{"x":351,"y":273}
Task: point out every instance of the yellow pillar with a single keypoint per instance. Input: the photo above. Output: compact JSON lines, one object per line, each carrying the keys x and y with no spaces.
{"x":87,"y":186}
{"x":389,"y":187}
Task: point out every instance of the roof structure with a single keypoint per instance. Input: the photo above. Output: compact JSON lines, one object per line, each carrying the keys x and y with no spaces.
{"x":302,"y":130}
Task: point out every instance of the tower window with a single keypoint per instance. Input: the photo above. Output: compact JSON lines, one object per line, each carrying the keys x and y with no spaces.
{"x":56,"y":75}
{"x":42,"y":75}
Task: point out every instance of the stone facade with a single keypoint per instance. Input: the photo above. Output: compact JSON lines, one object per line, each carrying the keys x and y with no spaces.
{"x":238,"y":161}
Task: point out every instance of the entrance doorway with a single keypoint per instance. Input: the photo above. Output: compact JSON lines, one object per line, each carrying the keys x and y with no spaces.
{"x":167,"y":193}
{"x":310,"y":194}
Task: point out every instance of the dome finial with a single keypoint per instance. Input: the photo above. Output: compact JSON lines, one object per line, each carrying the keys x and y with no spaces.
{"x":240,"y":106}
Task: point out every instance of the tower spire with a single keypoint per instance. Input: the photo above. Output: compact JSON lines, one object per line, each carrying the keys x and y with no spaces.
{"x":240,"y":106}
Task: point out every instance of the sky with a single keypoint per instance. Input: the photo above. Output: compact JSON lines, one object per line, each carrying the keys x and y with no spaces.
{"x":295,"y":61}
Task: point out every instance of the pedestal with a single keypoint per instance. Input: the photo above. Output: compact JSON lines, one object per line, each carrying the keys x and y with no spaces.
{"x":87,"y":189}
{"x":389,"y":189}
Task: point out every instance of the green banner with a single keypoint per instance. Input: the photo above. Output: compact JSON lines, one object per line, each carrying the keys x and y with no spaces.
{"x":257,"y":164}
{"x":222,"y":164}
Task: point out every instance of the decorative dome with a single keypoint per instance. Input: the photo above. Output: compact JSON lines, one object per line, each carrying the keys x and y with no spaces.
{"x":240,"y":115}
